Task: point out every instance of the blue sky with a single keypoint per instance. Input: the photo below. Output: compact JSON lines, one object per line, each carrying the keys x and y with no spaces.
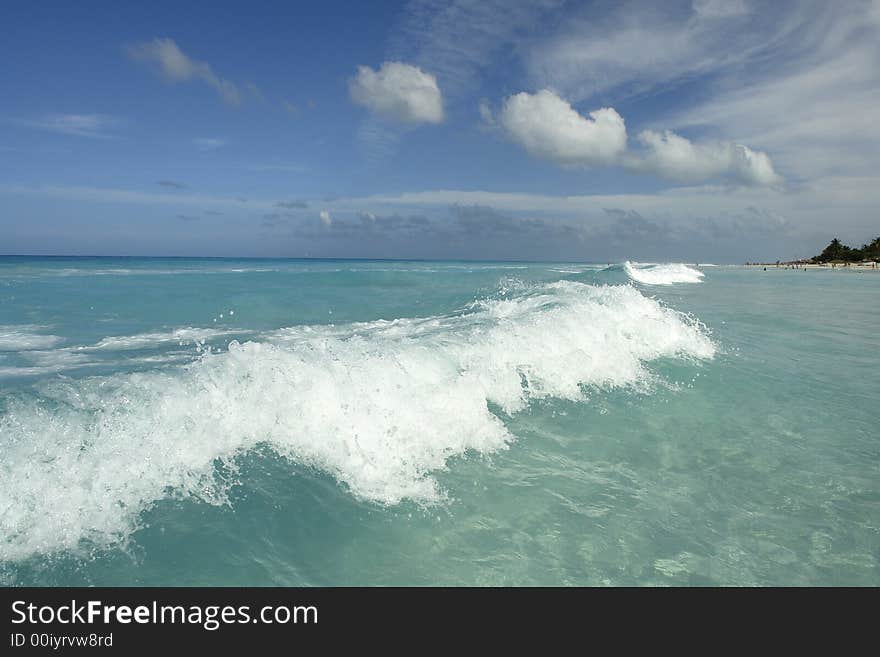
{"x":700,"y":130}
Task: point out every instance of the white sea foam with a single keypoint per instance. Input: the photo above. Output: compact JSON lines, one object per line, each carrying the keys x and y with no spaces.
{"x":45,"y":362}
{"x":56,"y":359}
{"x":665,"y":274}
{"x":14,"y":372}
{"x":162,"y":359}
{"x":380,"y":406}
{"x":186,"y":335}
{"x":64,"y":360}
{"x":24,"y":337}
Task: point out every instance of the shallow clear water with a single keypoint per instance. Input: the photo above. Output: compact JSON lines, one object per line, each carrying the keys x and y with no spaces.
{"x":177,"y":421}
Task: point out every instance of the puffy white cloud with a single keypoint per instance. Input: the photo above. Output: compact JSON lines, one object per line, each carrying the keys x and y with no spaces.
{"x":174,"y":65}
{"x":548,"y":127}
{"x":753,"y":167}
{"x":325,"y":217}
{"x":398,"y":91}
{"x":677,"y":158}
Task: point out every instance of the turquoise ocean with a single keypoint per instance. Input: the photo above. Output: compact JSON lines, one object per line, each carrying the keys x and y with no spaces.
{"x":342,"y":422}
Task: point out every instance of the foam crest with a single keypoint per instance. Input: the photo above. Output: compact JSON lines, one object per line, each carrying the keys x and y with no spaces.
{"x":186,"y":335}
{"x":24,"y":337}
{"x":380,"y":406}
{"x":665,"y":274}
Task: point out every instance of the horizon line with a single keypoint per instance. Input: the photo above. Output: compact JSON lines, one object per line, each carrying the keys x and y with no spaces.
{"x":353,"y":258}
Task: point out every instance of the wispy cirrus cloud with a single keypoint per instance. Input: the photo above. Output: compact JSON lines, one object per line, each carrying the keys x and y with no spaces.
{"x":297,"y":204}
{"x":95,"y":126}
{"x":289,"y":107}
{"x":799,"y":80}
{"x":635,"y":47}
{"x":134,"y":197}
{"x":208,"y":143}
{"x":170,"y":62}
{"x":255,"y":92}
{"x":459,"y":39}
{"x":813,"y":103}
{"x":280,"y":167}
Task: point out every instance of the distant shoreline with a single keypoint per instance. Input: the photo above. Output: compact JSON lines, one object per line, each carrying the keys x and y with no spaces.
{"x":855,"y":266}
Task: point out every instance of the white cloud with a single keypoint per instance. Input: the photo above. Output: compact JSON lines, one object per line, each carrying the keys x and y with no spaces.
{"x":486,"y":112}
{"x":283,"y":168}
{"x":800,"y":80}
{"x":814,"y":104}
{"x":720,"y":8}
{"x":672,"y":156}
{"x":807,"y":207}
{"x":174,"y":65}
{"x":806,"y":211}
{"x":135,"y":197}
{"x":325,"y":217}
{"x":753,"y":167}
{"x":80,"y":125}
{"x":208,"y":143}
{"x":632,"y":48}
{"x":459,"y":38}
{"x":255,"y":92}
{"x":548,"y":127}
{"x":377,"y":139}
{"x":398,"y":91}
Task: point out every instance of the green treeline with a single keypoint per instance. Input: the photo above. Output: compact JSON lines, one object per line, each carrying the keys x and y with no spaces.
{"x":838,"y":251}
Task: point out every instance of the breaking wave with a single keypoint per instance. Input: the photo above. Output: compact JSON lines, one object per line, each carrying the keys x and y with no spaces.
{"x":662,"y":274}
{"x":381,"y":406}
